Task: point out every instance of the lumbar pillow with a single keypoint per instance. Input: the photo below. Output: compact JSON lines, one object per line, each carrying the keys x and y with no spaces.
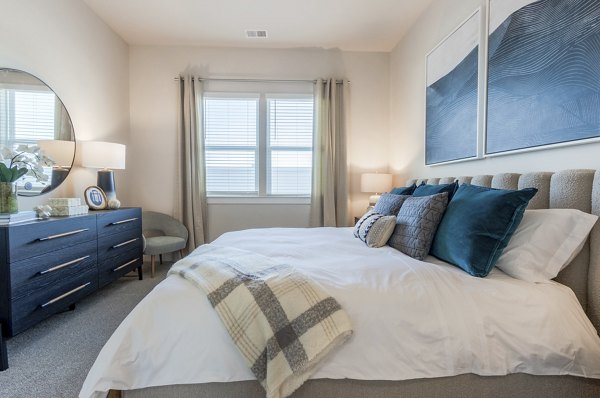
{"x":361,"y":221}
{"x":389,"y":204}
{"x":416,"y":224}
{"x":426,"y":189}
{"x":404,"y":190}
{"x":545,"y":242}
{"x":375,"y":229}
{"x":477,"y":226}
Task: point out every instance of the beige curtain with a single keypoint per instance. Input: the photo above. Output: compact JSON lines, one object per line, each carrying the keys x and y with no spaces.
{"x":192,"y":209}
{"x":329,"y":204}
{"x":63,"y":130}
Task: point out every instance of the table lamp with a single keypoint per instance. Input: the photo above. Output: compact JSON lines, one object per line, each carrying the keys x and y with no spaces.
{"x":104,"y":156}
{"x":375,"y":183}
{"x":62,"y":154}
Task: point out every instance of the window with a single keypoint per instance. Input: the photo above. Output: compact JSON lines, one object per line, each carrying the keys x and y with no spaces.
{"x":258,"y":144}
{"x":27,"y":116}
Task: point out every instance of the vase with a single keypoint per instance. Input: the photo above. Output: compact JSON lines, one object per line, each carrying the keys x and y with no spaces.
{"x":8,"y":197}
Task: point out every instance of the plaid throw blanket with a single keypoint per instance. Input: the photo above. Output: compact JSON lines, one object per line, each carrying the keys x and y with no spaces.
{"x":282,"y":323}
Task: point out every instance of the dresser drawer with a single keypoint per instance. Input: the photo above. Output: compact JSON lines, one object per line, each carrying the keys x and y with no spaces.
{"x":113,"y":245}
{"x":115,"y":221}
{"x":29,"y":310}
{"x":39,"y":273}
{"x":113,"y":268}
{"x":38,"y":238}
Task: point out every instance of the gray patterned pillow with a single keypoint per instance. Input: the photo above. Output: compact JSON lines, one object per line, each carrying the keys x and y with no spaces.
{"x":389,"y":204}
{"x":417,"y":223}
{"x":375,"y":229}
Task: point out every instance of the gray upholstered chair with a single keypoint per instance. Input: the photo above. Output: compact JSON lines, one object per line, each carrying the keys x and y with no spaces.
{"x":162,"y":234}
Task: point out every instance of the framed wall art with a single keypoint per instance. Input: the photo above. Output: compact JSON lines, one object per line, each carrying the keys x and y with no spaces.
{"x":452,"y":127}
{"x":543,"y":74}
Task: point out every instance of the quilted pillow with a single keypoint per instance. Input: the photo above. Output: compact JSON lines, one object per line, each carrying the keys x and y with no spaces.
{"x":417,"y":223}
{"x":477,"y":226}
{"x":389,"y":204}
{"x":375,"y":229}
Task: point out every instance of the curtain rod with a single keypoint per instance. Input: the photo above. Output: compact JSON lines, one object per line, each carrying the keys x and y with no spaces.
{"x":259,"y":80}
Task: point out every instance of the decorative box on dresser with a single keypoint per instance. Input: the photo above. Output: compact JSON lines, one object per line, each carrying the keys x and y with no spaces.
{"x":47,"y":266}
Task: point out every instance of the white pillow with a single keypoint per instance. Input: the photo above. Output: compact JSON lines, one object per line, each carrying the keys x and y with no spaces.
{"x":545,"y":242}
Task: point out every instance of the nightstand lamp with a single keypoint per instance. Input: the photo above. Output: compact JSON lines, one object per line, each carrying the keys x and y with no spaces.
{"x":376,"y":183}
{"x":62,"y":154}
{"x":105,"y":156}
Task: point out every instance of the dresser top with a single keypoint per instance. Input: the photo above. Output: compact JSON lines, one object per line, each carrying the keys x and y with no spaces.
{"x":90,"y":214}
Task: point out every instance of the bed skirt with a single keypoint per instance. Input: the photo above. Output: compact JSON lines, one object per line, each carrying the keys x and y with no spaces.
{"x":464,"y":386}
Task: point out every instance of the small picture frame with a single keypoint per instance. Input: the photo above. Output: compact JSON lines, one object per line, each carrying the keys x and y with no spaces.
{"x":95,"y":198}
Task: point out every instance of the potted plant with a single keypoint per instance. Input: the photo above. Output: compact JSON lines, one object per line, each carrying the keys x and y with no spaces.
{"x":14,"y":164}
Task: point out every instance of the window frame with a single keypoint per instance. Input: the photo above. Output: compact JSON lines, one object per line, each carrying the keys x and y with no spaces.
{"x":263,"y":151}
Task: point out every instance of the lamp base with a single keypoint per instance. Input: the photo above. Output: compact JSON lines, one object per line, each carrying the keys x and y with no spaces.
{"x":106,"y":182}
{"x":372,"y":201}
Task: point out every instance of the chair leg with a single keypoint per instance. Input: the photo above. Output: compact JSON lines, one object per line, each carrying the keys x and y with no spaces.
{"x":153,"y":265}
{"x":181,"y":253}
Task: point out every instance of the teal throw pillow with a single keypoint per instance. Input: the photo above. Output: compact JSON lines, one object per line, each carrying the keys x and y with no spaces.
{"x":427,"y":189}
{"x":477,"y":226}
{"x":404,"y":190}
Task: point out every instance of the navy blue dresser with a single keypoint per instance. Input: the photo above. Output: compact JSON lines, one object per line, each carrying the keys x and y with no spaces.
{"x":47,"y":266}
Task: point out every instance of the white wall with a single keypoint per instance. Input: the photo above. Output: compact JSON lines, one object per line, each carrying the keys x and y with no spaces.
{"x":153,"y":104}
{"x":66,"y":45}
{"x":407,"y":77}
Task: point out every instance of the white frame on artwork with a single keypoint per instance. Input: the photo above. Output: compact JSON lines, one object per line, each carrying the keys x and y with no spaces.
{"x":485,"y":154}
{"x":481,"y":87}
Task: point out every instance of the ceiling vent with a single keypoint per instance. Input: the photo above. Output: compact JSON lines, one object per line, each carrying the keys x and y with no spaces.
{"x":256,"y":34}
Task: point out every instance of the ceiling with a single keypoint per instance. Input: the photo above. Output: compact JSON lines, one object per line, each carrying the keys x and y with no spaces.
{"x":350,"y":25}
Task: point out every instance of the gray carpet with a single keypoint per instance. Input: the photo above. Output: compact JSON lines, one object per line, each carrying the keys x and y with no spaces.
{"x":53,"y":358}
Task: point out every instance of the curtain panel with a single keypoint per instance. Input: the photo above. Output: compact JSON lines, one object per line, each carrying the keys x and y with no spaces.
{"x":329,"y":202}
{"x":191,"y":205}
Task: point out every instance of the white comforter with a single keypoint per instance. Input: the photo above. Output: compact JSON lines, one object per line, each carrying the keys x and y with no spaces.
{"x":412,"y":319}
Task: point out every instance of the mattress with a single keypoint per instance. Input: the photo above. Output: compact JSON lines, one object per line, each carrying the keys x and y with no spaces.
{"x":412,"y":319}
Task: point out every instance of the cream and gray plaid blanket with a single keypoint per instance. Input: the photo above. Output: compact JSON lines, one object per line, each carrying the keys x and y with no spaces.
{"x":283,"y":324}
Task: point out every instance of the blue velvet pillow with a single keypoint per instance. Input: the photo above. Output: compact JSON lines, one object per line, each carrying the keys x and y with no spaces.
{"x":477,"y":226}
{"x":427,"y":190}
{"x":404,"y":190}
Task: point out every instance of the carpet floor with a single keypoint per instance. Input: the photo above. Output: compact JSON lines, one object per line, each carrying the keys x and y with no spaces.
{"x":53,"y":358}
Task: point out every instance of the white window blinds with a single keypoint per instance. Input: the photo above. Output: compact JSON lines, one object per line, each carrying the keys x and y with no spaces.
{"x":26,"y":116}
{"x":258,"y":145}
{"x":290,"y":132}
{"x":230,"y":129}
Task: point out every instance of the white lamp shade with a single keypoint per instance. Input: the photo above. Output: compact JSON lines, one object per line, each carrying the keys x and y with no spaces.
{"x":375,"y":182}
{"x":61,"y":152}
{"x":102,"y":155}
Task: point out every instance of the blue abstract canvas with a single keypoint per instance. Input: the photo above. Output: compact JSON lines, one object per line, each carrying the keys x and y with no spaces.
{"x":451,"y":125}
{"x":544,"y":74}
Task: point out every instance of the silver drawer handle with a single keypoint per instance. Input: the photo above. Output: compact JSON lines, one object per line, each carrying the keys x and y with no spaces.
{"x":67,"y":294}
{"x":125,"y":243}
{"x":77,"y":260}
{"x":125,"y":265}
{"x":63,"y":234}
{"x":123,"y":221}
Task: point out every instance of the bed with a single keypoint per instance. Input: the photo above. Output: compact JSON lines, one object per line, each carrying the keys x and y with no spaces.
{"x":466,"y":336}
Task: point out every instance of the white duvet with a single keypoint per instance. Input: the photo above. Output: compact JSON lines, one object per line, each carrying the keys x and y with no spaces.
{"x":412,"y":319}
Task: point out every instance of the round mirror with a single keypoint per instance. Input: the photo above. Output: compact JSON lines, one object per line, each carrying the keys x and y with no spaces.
{"x":37,"y":142}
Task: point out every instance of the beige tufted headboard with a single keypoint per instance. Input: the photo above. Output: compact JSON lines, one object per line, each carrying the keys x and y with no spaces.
{"x":574,"y":189}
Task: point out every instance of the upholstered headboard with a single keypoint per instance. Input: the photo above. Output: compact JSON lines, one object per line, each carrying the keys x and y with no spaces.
{"x":574,"y":189}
